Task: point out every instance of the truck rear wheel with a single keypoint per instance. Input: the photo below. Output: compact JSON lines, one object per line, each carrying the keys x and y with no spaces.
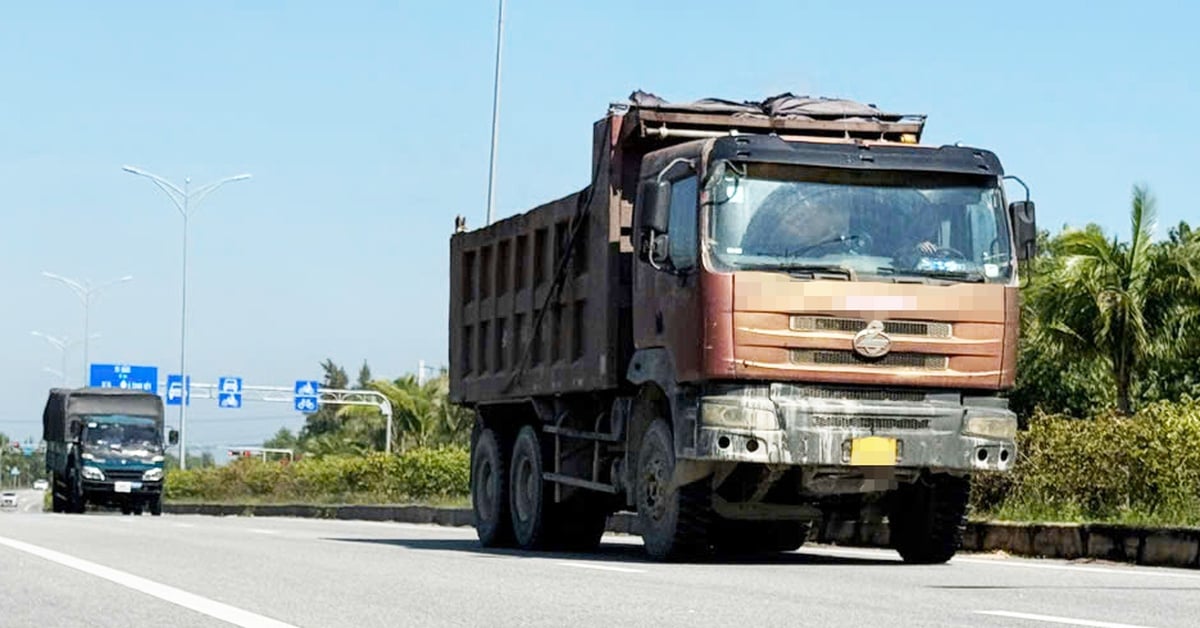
{"x":675,"y":522}
{"x":927,"y":519}
{"x":530,"y":508}
{"x":489,"y":491}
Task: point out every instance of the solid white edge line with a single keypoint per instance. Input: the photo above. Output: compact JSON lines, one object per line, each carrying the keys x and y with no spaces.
{"x":179,"y":597}
{"x":599,"y":567}
{"x":1070,"y":621}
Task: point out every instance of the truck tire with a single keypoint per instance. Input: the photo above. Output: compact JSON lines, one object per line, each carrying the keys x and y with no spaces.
{"x":57,"y":502}
{"x":675,"y":524}
{"x":755,"y":537}
{"x":529,"y":504}
{"x":489,"y":490}
{"x":156,"y":504}
{"x":76,"y":502}
{"x":927,"y":519}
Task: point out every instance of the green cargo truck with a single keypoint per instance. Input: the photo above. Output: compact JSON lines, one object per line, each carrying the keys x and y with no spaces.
{"x":104,"y":446}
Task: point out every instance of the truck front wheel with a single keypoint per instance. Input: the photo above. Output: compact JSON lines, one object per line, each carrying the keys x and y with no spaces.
{"x":156,"y":505}
{"x":489,"y":491}
{"x":675,"y":521}
{"x":76,"y":502}
{"x":927,"y":518}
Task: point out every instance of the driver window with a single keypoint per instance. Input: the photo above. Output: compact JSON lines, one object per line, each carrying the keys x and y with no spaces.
{"x":682,"y":221}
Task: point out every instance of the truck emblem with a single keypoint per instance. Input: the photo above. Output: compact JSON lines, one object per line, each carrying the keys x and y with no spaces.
{"x":872,"y":342}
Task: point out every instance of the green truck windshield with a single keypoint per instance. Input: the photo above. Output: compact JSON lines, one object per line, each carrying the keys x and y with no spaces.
{"x":119,"y":431}
{"x":874,"y":223}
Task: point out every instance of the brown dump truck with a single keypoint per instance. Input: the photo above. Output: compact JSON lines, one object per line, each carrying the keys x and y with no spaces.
{"x":759,"y":316}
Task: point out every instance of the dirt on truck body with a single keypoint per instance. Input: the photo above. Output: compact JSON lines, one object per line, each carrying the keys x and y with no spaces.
{"x":758,"y":316}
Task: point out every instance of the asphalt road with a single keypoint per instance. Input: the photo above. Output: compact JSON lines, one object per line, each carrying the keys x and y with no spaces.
{"x":109,"y":570}
{"x":28,"y":501}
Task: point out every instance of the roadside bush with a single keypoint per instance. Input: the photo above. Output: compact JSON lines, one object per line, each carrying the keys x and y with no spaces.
{"x":416,"y":475}
{"x":1143,"y":468}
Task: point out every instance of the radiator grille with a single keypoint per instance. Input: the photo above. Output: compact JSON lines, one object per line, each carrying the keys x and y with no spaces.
{"x":892,"y":360}
{"x":855,"y":325}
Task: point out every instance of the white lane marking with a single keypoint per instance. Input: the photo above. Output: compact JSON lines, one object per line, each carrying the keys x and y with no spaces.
{"x":179,"y":597}
{"x":1149,"y":571}
{"x":263,"y":531}
{"x":599,"y":567}
{"x":1070,"y":621}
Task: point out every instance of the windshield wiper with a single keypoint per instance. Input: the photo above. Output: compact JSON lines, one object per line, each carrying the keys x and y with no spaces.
{"x":959,"y":275}
{"x":809,"y":267}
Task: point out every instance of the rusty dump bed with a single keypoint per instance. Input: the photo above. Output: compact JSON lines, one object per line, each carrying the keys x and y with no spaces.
{"x":540,"y":302}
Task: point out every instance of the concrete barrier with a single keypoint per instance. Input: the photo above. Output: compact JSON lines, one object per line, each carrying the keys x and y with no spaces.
{"x":1169,"y":547}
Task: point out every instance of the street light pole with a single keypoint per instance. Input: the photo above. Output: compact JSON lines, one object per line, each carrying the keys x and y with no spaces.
{"x":184,"y":200}
{"x":85,"y":291}
{"x":62,"y":344}
{"x":495,"y":114}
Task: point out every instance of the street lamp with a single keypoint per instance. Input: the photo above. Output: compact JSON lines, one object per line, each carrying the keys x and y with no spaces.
{"x":62,"y":344}
{"x":495,"y":114}
{"x":85,"y":291}
{"x":186,"y":201}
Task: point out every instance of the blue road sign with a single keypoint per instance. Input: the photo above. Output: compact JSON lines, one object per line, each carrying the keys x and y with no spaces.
{"x":230,"y":385}
{"x":307,"y":395}
{"x":229,"y":399}
{"x":126,"y":376}
{"x":176,"y":395}
{"x":306,"y":404}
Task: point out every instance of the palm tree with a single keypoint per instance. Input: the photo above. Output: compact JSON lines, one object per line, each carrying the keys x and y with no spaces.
{"x":1104,"y":299}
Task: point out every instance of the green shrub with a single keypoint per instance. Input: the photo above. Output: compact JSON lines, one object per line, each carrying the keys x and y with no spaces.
{"x":418,"y":474}
{"x":1144,"y":468}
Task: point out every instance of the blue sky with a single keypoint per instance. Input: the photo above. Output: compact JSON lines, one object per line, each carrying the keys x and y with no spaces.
{"x":366,"y":128}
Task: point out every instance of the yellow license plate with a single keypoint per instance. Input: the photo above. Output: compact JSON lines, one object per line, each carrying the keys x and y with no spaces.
{"x":873,"y":451}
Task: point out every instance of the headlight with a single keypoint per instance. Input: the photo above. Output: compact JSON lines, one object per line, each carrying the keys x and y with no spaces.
{"x":998,"y":427}
{"x":92,"y":473}
{"x":738,"y":415}
{"x":152,"y":475}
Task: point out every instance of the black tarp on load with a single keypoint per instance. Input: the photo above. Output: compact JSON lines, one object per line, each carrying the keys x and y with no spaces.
{"x":786,"y":105}
{"x":63,"y":404}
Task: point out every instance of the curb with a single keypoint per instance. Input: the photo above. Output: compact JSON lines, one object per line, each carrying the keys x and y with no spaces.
{"x":1160,"y":547}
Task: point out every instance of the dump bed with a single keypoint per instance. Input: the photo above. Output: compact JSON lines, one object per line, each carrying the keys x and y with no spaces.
{"x":63,"y":404}
{"x":540,"y":302}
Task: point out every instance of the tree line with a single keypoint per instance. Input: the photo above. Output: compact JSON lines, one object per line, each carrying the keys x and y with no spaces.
{"x":1111,"y":324}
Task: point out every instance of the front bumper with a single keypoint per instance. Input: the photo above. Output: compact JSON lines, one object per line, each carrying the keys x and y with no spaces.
{"x":120,"y":487}
{"x":791,"y":425}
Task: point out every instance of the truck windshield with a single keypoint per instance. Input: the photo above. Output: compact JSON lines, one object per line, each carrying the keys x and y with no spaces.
{"x":884,"y":224}
{"x":120,"y":431}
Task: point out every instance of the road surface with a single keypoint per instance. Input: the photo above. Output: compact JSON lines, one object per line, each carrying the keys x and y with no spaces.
{"x":28,"y":501}
{"x":109,"y":570}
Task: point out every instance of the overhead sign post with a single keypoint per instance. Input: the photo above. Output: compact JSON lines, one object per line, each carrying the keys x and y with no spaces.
{"x":127,"y":376}
{"x":306,"y":397}
{"x":229,"y":392}
{"x":177,"y":393}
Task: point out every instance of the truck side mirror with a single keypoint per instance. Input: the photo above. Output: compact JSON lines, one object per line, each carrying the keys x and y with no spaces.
{"x":76,"y":428}
{"x":173,"y":437}
{"x":1024,"y":220}
{"x":656,"y":206}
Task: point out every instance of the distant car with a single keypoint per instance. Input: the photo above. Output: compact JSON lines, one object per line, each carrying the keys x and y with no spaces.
{"x":41,"y":485}
{"x":8,"y":500}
